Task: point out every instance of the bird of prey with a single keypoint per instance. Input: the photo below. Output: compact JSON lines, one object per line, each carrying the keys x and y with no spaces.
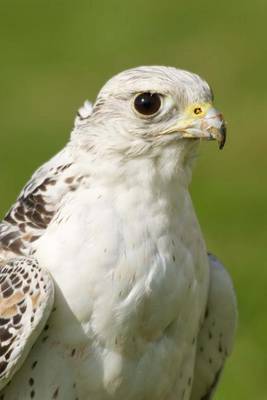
{"x":107,"y":291}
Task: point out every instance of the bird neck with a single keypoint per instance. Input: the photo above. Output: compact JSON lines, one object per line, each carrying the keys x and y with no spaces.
{"x":169,"y":166}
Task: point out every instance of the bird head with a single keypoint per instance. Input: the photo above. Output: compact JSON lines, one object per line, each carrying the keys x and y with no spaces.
{"x":143,"y":110}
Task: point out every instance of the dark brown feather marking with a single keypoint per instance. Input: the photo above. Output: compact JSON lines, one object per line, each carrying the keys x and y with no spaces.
{"x":212,"y":387}
{"x":32,"y":212}
{"x":4,"y":335}
{"x":3,"y":366}
{"x":55,"y":394}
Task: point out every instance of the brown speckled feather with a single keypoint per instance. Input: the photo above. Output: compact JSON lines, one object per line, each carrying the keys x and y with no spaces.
{"x":26,"y":299}
{"x":26,"y":289}
{"x":35,"y":207}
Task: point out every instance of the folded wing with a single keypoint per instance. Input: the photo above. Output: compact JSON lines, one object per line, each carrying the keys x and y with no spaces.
{"x":26,"y":300}
{"x":217,"y":333}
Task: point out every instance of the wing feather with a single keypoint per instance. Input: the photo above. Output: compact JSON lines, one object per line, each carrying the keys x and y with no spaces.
{"x":27,"y":290}
{"x":26,"y":300}
{"x":35,"y":207}
{"x":217,"y":333}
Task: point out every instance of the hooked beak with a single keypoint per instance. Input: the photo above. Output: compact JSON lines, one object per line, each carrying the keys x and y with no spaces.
{"x":202,"y":121}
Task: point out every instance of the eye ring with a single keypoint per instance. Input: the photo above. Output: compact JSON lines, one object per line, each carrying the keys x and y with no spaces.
{"x":198,"y":110}
{"x":147,"y":103}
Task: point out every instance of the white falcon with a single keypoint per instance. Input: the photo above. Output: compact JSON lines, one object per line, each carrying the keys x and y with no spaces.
{"x":106,"y":288}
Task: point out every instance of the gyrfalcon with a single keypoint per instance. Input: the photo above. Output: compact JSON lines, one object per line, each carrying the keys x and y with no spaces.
{"x":107,"y":291}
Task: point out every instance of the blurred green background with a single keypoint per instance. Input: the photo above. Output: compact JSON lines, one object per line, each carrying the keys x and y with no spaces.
{"x":54,"y":54}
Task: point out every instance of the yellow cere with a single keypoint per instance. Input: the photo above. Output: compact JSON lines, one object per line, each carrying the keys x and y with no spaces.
{"x":198,"y":109}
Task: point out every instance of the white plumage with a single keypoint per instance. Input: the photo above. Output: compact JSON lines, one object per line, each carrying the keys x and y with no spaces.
{"x":141,"y":311}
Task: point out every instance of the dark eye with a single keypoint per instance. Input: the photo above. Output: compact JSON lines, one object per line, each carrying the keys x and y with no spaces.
{"x":147,"y":103}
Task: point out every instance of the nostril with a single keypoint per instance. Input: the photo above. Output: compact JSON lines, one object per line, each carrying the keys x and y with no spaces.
{"x":198,"y":110}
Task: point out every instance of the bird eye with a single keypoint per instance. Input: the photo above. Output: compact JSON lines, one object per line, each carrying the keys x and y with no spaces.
{"x":147,"y":103}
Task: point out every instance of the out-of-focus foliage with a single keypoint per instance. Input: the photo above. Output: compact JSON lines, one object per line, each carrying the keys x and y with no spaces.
{"x":54,"y":54}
